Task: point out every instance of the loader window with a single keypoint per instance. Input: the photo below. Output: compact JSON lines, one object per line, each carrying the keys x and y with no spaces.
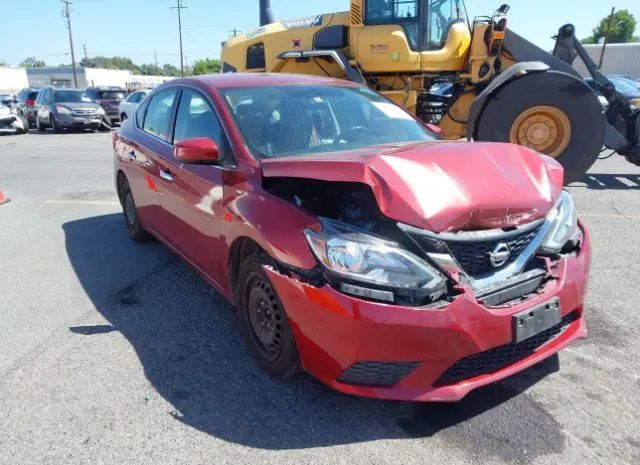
{"x":255,"y":56}
{"x":441,"y":15}
{"x":401,"y":12}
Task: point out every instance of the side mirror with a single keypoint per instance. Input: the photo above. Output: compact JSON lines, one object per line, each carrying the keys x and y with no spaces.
{"x":198,"y":150}
{"x":433,"y":128}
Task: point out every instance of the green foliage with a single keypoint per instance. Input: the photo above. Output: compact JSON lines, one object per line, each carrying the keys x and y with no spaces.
{"x":621,"y":31}
{"x":206,"y":66}
{"x":32,"y":62}
{"x":110,"y":63}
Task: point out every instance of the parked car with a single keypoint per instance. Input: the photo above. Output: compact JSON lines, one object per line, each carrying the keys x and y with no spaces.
{"x":10,"y":123}
{"x":26,"y":106}
{"x":62,"y":108}
{"x":128,"y":106}
{"x":353,"y":242}
{"x":109,"y":98}
{"x":624,"y":86}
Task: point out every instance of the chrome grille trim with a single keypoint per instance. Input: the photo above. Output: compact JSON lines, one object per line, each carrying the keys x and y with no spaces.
{"x":448,"y":263}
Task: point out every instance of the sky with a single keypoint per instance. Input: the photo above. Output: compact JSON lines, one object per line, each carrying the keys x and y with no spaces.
{"x":140,"y":28}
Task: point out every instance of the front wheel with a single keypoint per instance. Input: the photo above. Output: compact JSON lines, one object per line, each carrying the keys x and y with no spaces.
{"x":54,"y":124}
{"x":263,"y":321}
{"x":551,"y":112}
{"x":130,"y":211}
{"x":39,"y":124}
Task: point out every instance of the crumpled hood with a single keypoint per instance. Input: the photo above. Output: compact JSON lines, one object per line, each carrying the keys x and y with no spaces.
{"x":441,"y":186}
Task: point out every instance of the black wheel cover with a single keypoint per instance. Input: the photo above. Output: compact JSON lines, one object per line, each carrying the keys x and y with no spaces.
{"x":568,"y":93}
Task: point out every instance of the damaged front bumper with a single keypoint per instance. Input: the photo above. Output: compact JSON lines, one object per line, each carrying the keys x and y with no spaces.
{"x":12,"y":124}
{"x":433,"y":353}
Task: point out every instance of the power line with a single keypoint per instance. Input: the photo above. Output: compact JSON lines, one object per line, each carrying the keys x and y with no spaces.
{"x":67,"y":14}
{"x":179,"y":7}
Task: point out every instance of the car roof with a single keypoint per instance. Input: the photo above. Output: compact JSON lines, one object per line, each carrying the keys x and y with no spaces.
{"x":236,"y":80}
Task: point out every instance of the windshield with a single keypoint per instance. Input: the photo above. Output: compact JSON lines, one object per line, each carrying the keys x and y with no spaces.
{"x":71,"y":96}
{"x":111,"y":94}
{"x":282,"y":121}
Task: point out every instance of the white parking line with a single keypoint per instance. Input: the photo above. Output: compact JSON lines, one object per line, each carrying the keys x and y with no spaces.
{"x":608,"y":215}
{"x":82,"y":202}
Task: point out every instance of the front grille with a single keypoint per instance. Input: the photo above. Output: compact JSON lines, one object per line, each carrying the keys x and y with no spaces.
{"x":474,"y":256}
{"x":499,"y":357}
{"x":84,"y":112}
{"x":377,"y":373}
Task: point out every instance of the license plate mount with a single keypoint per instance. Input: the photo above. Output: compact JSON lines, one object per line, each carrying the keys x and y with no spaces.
{"x":534,"y":320}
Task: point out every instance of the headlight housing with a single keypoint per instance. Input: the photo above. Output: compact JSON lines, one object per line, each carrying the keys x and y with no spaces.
{"x":354,"y":255}
{"x":100,"y":111}
{"x":564,"y":223}
{"x":63,"y":110}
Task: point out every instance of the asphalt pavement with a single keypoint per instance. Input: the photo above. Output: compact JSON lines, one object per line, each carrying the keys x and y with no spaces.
{"x":117,"y":353}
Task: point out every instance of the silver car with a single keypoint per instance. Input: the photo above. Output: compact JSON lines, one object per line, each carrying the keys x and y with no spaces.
{"x":63,"y":109}
{"x":128,"y":106}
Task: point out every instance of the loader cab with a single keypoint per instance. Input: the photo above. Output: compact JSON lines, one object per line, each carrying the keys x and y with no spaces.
{"x":410,"y":35}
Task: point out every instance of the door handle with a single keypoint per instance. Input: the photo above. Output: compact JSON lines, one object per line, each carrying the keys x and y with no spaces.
{"x":166,"y":175}
{"x":132,"y":155}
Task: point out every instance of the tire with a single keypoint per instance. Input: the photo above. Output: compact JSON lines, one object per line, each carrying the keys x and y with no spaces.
{"x":54,"y":124}
{"x":39,"y":124}
{"x":560,"y":93}
{"x":263,"y":321}
{"x":130,"y":213}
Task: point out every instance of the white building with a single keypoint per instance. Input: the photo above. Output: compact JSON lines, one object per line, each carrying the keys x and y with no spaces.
{"x":89,"y":77}
{"x":618,"y":59}
{"x":12,"y":80}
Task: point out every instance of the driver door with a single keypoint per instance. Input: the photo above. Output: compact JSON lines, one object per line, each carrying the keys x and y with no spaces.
{"x":445,"y":36}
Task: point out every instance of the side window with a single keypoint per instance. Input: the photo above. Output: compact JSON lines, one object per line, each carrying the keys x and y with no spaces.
{"x":442,"y":14}
{"x":391,"y":11}
{"x":196,"y":118}
{"x":255,"y":56}
{"x":157,"y":120}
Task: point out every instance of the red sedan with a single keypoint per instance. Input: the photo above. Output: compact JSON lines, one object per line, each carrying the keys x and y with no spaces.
{"x":355,"y":244}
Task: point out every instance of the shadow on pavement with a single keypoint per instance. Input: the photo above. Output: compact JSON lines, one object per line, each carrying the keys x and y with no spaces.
{"x":186,"y":338}
{"x":609,"y":181}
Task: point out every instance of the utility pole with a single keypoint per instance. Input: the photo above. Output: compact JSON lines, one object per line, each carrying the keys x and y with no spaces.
{"x":234,"y":33}
{"x":606,"y":37}
{"x":155,"y":54}
{"x":84,"y":47}
{"x":67,"y":14}
{"x":179,"y":7}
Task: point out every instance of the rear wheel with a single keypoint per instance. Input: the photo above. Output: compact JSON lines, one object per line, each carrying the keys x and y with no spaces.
{"x":130,"y":211}
{"x":553,"y":113}
{"x":263,"y":321}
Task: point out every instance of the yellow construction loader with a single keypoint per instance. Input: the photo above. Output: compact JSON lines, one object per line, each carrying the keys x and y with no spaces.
{"x":475,"y":79}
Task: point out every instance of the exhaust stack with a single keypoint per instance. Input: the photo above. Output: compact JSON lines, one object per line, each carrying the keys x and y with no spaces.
{"x":266,"y":15}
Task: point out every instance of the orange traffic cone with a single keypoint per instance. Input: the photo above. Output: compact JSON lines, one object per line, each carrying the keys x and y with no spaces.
{"x":3,"y":199}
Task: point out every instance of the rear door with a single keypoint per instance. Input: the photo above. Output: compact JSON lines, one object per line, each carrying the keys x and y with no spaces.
{"x":146,"y":142}
{"x":192,"y":195}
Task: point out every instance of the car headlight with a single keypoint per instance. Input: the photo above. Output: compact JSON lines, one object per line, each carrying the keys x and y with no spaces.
{"x":355,"y":255}
{"x":564,"y":223}
{"x":63,"y":110}
{"x":100,"y":111}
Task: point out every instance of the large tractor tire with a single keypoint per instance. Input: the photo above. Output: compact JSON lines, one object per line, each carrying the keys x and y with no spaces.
{"x":551,"y":112}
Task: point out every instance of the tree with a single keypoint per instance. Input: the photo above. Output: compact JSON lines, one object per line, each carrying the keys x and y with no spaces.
{"x":206,"y":66}
{"x":32,"y":62}
{"x":149,"y":69}
{"x":170,"y":70}
{"x":621,"y":31}
{"x":110,"y":63}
